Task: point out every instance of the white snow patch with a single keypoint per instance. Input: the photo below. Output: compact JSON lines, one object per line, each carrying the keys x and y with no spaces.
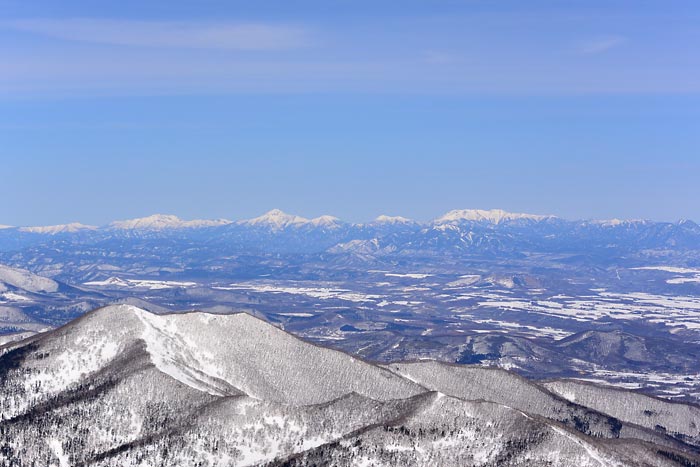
{"x":592,"y":452}
{"x":182,"y":362}
{"x":672,"y":269}
{"x":322,"y":293}
{"x":140,"y":283}
{"x":57,"y":448}
{"x":13,"y":297}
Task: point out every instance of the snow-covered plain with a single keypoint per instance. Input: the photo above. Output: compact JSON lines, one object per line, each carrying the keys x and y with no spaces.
{"x":323,"y":293}
{"x":672,"y":311}
{"x":140,"y":283}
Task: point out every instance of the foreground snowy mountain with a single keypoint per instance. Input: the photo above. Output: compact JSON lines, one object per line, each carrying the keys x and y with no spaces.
{"x":122,"y":387}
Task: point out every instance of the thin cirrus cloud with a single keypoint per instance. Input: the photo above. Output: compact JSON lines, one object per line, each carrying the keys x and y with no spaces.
{"x":177,"y":34}
{"x":601,"y":44}
{"x":460,"y":55}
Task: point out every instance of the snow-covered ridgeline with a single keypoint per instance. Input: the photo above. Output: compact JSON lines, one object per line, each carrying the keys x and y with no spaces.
{"x":276,"y":219}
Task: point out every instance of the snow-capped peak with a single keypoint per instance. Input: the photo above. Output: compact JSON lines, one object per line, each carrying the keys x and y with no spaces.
{"x":238,"y":353}
{"x":276,"y":219}
{"x":56,"y":229}
{"x":384,"y":219}
{"x":493,"y":216}
{"x":618,"y":222}
{"x":279,"y":220}
{"x":163,"y":222}
{"x":325,"y":221}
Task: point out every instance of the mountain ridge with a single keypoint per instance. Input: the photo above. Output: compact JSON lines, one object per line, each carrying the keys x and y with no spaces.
{"x":163,"y":222}
{"x":255,"y":409}
{"x":279,"y":219}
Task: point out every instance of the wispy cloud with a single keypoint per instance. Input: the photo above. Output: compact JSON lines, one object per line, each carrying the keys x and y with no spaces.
{"x":241,"y":36}
{"x":601,"y":44}
{"x":194,"y":57}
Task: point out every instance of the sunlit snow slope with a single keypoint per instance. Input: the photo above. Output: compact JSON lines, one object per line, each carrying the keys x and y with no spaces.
{"x":124,"y":387}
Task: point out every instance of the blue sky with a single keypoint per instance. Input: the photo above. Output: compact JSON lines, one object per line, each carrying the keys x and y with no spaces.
{"x":584,"y":109}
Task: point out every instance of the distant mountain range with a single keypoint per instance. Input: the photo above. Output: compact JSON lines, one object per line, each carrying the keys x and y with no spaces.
{"x":615,"y":301}
{"x":168,"y":243}
{"x":123,"y":387}
{"x":277,"y":219}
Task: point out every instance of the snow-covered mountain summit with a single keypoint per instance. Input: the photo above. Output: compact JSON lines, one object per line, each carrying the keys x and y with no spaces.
{"x":492,"y":216}
{"x":325,"y":221}
{"x":392,"y":220}
{"x":276,"y":219}
{"x":121,"y":386}
{"x":73,"y":227}
{"x":279,"y":220}
{"x":619,"y":222}
{"x":221,"y":354}
{"x":164,"y":222}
